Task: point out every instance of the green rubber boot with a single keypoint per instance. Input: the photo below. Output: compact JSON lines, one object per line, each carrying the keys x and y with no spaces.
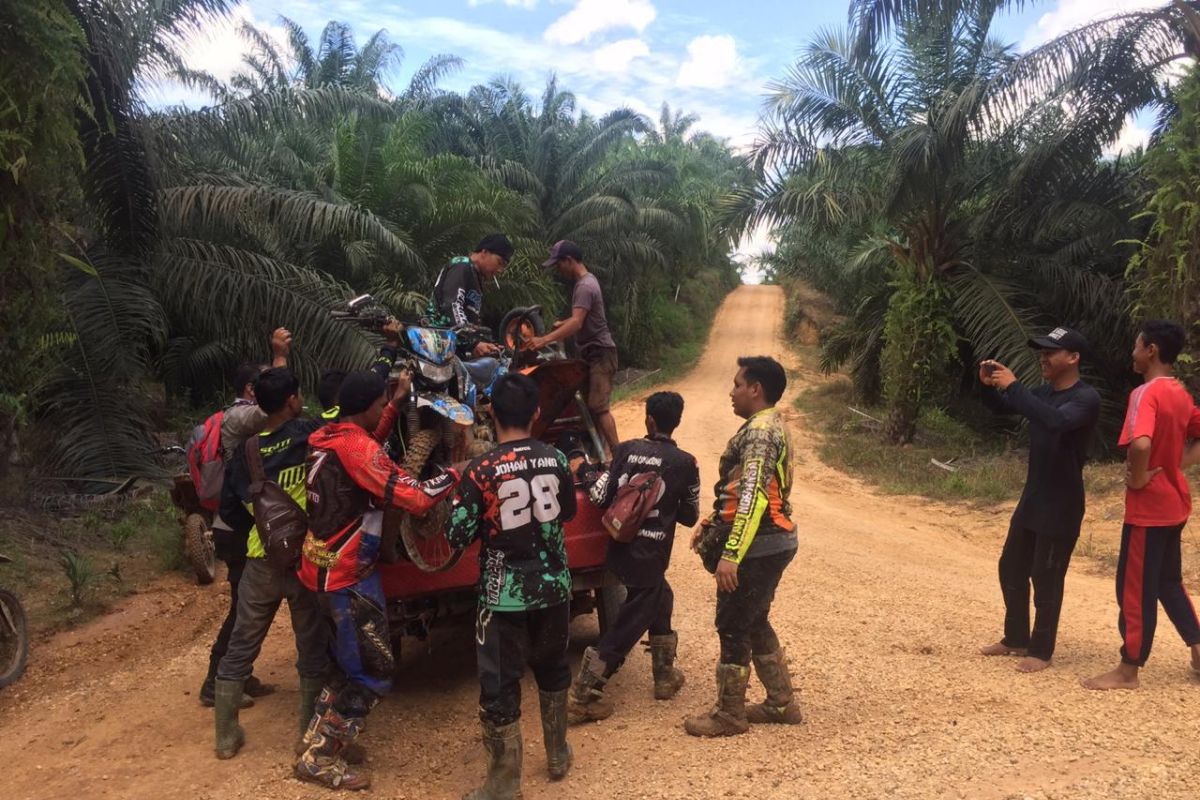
{"x":227,"y":698}
{"x":503,"y":745}
{"x":554,"y":733}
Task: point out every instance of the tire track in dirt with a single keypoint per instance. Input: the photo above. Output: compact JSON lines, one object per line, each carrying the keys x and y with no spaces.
{"x":881,"y":613}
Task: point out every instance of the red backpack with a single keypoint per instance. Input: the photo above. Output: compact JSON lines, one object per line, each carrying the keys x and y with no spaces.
{"x":633,"y":503}
{"x":205,"y":461}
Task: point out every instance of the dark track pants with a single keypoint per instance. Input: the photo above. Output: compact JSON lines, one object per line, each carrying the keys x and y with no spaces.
{"x":647,"y":609}
{"x":1150,"y":571}
{"x":235,"y":567}
{"x":1030,"y":557}
{"x":742,"y":623}
{"x":505,"y":641}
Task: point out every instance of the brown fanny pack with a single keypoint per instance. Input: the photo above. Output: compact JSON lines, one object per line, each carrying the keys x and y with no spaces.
{"x":282,"y":524}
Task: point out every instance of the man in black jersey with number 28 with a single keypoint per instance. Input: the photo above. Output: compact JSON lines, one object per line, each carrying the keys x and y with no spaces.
{"x":515,"y":499}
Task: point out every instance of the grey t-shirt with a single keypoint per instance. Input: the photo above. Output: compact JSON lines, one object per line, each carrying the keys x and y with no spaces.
{"x":594,"y":332}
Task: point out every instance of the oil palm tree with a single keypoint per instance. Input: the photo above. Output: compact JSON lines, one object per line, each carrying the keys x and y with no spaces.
{"x":916,"y":117}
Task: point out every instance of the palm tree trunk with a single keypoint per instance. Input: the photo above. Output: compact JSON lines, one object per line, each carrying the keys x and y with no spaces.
{"x":920,"y":343}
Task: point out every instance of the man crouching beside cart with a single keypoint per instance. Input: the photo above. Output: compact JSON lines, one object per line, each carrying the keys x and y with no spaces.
{"x":350,"y":482}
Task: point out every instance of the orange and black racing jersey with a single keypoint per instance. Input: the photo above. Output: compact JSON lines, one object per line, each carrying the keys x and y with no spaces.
{"x":350,"y":481}
{"x":753,"y":488}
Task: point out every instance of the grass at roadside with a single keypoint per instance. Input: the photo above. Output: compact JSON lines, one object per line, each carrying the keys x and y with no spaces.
{"x":674,"y":363}
{"x":71,"y":567}
{"x":983,"y":471}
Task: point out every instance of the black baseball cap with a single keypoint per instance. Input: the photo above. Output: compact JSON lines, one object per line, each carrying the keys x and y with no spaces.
{"x":563,"y":249}
{"x":496,"y":243}
{"x":1061,"y":339}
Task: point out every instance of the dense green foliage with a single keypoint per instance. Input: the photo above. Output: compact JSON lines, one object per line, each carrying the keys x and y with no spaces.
{"x":40,"y":161}
{"x":193,"y":233}
{"x":953,"y":196}
{"x":1165,"y":271}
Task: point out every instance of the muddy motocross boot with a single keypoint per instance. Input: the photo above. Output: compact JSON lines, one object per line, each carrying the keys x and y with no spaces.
{"x":352,"y":753}
{"x":587,"y":692}
{"x":230,"y":736}
{"x":503,"y":745}
{"x":667,"y":679}
{"x":728,"y":717}
{"x":322,"y":762}
{"x":780,"y":707}
{"x":554,"y":732}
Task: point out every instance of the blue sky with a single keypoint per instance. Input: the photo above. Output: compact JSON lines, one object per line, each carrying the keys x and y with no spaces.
{"x":707,"y":57}
{"x":710,"y":58}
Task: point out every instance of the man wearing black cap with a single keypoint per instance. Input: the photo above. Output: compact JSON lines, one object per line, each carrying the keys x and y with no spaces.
{"x":589,"y":325}
{"x":1062,"y":415}
{"x":457,"y":297}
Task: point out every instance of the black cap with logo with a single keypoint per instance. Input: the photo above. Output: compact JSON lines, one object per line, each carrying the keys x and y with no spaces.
{"x":1061,"y":339}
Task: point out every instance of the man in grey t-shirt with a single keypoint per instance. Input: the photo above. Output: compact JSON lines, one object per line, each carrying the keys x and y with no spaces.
{"x":589,"y":325}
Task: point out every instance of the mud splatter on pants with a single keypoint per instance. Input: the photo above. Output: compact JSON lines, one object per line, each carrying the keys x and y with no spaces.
{"x":362,"y":645}
{"x":742,"y":623}
{"x":508,"y":640}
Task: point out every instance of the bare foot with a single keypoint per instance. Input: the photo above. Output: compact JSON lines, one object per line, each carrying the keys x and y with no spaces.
{"x":1032,"y":664}
{"x":1123,"y":677}
{"x":1001,"y":649}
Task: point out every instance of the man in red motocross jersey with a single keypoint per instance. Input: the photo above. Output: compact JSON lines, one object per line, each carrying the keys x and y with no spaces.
{"x":350,"y":482}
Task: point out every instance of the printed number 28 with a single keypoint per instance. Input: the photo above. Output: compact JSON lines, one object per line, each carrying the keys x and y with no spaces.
{"x":522,"y":500}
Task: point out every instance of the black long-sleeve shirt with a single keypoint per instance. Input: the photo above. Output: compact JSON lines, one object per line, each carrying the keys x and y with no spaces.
{"x":1060,"y":430}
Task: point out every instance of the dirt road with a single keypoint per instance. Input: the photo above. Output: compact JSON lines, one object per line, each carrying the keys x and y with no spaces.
{"x":882,"y":612}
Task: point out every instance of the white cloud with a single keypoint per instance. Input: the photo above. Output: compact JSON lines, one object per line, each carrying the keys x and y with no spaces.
{"x":1132,"y":137}
{"x":618,"y":56}
{"x":1070,"y":14}
{"x":217,"y":49}
{"x":590,"y":17}
{"x":526,"y":4}
{"x":712,"y":63}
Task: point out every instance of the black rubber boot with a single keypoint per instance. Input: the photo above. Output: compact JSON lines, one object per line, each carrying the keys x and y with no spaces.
{"x":554,"y":733}
{"x":503,"y":745}
{"x":208,"y":691}
{"x":230,"y":736}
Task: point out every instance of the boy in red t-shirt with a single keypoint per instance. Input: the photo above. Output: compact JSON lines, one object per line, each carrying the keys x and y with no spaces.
{"x":1160,"y":419}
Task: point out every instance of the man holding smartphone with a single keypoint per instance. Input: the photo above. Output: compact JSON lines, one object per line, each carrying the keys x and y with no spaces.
{"x":1062,"y":415}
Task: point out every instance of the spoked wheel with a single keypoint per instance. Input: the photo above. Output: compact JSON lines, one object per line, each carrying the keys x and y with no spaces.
{"x":14,"y":638}
{"x":425,"y":542}
{"x":198,"y":548}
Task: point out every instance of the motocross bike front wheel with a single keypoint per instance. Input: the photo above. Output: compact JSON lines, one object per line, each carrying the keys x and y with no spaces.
{"x":14,"y":638}
{"x":198,"y":548}
{"x":424,"y":538}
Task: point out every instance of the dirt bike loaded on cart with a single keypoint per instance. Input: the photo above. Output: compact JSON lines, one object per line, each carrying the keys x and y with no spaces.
{"x":427,"y":581}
